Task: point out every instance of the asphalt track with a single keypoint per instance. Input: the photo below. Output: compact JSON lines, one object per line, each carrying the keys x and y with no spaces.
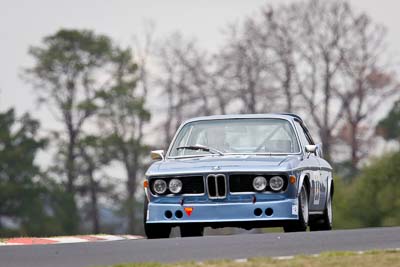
{"x":199,"y":248}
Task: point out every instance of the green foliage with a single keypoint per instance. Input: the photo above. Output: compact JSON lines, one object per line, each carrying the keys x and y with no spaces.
{"x":65,"y":72}
{"x":26,"y":198}
{"x":70,"y":68}
{"x":70,"y":52}
{"x":345,"y":170}
{"x":63,"y":216}
{"x":389,"y":127}
{"x":378,"y":191}
{"x":82,"y":75}
{"x":373,"y":198}
{"x":18,"y":147}
{"x":342,"y":210}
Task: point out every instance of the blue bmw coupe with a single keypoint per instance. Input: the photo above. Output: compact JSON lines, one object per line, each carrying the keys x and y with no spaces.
{"x":248,"y":171}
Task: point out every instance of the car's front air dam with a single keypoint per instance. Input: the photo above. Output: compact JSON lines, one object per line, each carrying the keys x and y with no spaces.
{"x":219,"y":212}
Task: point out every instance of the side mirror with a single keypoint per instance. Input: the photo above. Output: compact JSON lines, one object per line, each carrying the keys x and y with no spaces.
{"x":157,"y":155}
{"x":311,"y":149}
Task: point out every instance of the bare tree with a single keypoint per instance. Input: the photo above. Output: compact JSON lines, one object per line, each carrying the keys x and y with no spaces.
{"x":321,"y":59}
{"x":291,"y":54}
{"x":339,"y":67}
{"x":325,"y":30}
{"x":368,"y":82}
{"x":185,"y":82}
{"x":246,"y":66}
{"x":279,"y":32}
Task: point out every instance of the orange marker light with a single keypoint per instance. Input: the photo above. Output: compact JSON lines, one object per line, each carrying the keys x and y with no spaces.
{"x":188,"y":211}
{"x":292,"y":179}
{"x":145,"y":184}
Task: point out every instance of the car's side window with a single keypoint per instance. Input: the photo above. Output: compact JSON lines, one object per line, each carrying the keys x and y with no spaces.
{"x":303,"y":139}
{"x":308,"y":138}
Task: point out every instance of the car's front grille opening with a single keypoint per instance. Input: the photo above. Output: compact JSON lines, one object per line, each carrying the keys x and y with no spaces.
{"x":241,"y":183}
{"x":216,"y":185}
{"x":221,"y":185}
{"x":193,"y":185}
{"x":212,"y":188}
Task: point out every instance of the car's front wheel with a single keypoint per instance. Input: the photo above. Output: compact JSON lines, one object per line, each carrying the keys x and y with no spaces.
{"x":324,"y":222}
{"x":154,"y":230}
{"x":301,"y":224}
{"x":190,"y":229}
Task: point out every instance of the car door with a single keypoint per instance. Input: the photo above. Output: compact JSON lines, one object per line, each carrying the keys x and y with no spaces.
{"x":326,"y":177}
{"x":311,"y":166}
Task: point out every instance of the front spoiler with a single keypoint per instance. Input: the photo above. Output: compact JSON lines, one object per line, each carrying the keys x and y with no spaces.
{"x":220,"y":212}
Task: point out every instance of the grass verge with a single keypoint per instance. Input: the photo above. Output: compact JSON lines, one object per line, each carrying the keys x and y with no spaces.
{"x":381,"y":258}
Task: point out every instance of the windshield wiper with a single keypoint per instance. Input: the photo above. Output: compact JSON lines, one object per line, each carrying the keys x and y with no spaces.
{"x":201,"y":147}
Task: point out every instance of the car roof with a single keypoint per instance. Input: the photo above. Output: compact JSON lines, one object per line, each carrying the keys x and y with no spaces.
{"x":286,"y":116}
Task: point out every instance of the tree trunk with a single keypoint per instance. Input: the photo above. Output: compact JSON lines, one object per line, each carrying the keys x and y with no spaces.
{"x":251,"y":108}
{"x":354,"y":146}
{"x":170,"y":117}
{"x":286,"y":86}
{"x":221,"y":102}
{"x":131,"y":190}
{"x":70,"y":162}
{"x":94,"y":205}
{"x":326,"y":139}
{"x":131,"y":203}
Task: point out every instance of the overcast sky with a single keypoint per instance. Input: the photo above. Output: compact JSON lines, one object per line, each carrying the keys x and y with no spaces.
{"x":26,"y":22}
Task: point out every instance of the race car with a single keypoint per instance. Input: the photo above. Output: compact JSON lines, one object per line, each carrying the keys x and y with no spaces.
{"x":247,"y":171}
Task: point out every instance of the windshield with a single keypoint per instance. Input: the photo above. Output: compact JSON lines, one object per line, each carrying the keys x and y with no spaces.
{"x":235,"y":136}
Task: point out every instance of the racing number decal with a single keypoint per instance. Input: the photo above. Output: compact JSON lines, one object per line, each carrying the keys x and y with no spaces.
{"x":317,"y":186}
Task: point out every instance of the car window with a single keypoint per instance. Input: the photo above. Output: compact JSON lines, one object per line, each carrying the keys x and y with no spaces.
{"x":237,"y":136}
{"x":308,"y":137}
{"x":303,"y":137}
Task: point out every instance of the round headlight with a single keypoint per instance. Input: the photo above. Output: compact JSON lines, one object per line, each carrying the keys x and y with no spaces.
{"x":259,"y":183}
{"x":175,"y":186}
{"x":160,"y":186}
{"x":276,"y":183}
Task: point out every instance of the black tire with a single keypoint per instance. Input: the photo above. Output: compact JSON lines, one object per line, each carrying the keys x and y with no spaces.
{"x":323,"y":222}
{"x":154,"y":230}
{"x":188,"y":230}
{"x":301,"y":224}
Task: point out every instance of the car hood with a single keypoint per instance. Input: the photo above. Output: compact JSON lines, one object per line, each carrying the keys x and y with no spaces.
{"x":229,"y":163}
